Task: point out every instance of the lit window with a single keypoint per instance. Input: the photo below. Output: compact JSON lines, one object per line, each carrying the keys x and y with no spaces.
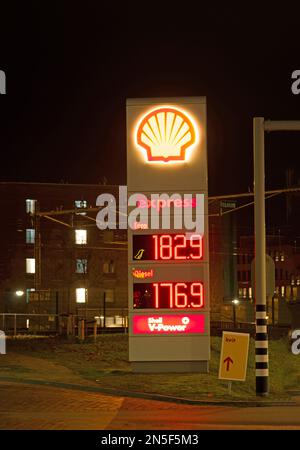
{"x":276,"y":257}
{"x":282,"y":291}
{"x":81,"y":204}
{"x":250,"y":292}
{"x":81,"y":295}
{"x":292,"y":280}
{"x":240,"y":292}
{"x":298,"y":281}
{"x":282,"y":257}
{"x":30,"y":235}
{"x":81,"y":237}
{"x":30,"y":265}
{"x":30,"y":205}
{"x":81,"y":265}
{"x":244,"y":292}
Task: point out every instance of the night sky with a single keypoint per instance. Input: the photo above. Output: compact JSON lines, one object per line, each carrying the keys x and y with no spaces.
{"x":71,"y":65}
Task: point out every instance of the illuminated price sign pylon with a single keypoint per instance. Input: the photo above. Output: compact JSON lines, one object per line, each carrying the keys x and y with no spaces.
{"x":168,"y":241}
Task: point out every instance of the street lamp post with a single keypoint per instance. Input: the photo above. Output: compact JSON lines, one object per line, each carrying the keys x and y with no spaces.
{"x":261,"y":337}
{"x":234,"y":303}
{"x":18,"y":293}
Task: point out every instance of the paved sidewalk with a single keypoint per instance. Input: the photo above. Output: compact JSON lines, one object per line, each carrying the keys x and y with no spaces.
{"x":40,"y":407}
{"x":26,"y":407}
{"x":37,"y":407}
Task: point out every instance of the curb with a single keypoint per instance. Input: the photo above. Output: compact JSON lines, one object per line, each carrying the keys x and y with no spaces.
{"x":148,"y":396}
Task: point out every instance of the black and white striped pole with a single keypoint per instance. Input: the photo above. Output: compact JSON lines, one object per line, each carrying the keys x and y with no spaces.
{"x":261,"y":339}
{"x":261,"y":336}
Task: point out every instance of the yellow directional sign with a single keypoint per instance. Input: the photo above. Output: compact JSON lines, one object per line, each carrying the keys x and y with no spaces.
{"x":234,"y":356}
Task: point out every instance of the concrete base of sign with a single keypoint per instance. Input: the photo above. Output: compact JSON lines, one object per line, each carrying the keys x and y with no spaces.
{"x":170,"y":366}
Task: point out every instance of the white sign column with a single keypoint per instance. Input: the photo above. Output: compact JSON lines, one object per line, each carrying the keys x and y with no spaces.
{"x":168,"y":287}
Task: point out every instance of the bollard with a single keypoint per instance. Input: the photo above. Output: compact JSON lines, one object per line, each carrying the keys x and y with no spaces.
{"x":2,"y":343}
{"x":69,"y":325}
{"x":82,"y":330}
{"x":95,"y":331}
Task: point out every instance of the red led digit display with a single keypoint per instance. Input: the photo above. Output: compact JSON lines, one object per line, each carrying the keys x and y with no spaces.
{"x":168,"y":295}
{"x":167,"y":247}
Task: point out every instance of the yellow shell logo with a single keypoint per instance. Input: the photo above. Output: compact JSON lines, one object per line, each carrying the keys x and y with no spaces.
{"x":165,"y":134}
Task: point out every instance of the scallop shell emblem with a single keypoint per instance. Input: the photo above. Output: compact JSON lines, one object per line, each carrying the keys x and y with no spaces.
{"x":165,"y":134}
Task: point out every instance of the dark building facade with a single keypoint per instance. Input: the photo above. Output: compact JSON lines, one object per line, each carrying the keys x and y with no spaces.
{"x":286,"y":256}
{"x":59,"y":263}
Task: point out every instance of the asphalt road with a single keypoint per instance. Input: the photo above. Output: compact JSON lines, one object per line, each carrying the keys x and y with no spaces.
{"x":43,"y":407}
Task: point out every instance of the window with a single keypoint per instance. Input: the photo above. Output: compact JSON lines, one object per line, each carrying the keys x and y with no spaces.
{"x":81,"y":265}
{"x":30,"y":265}
{"x":244,"y":292}
{"x":109,"y":267}
{"x":81,"y":204}
{"x":282,"y":291}
{"x":30,"y":235}
{"x":239,"y":275}
{"x":250,"y":292}
{"x":282,"y":257}
{"x":249,"y":275}
{"x":276,"y":274}
{"x":81,"y":237}
{"x":276,"y":257}
{"x":30,"y":205}
{"x":81,"y":295}
{"x":281,"y":274}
